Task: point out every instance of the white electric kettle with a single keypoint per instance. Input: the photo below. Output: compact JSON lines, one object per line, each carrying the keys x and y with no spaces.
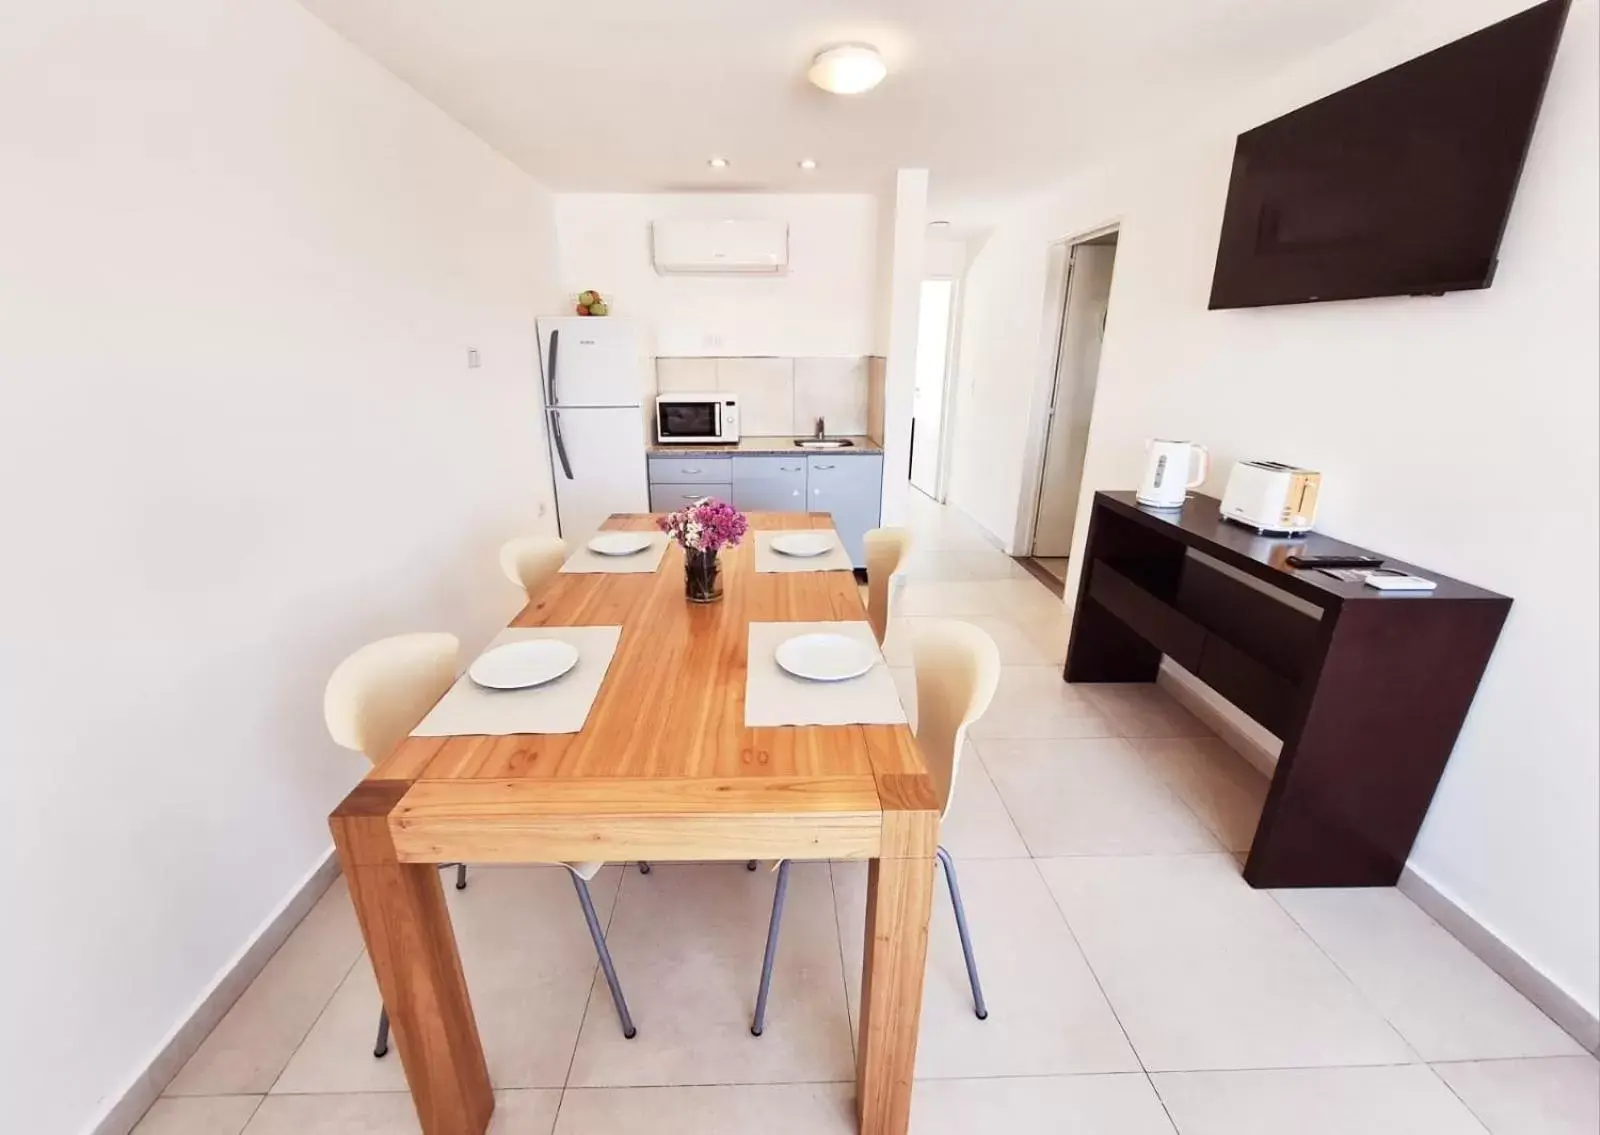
{"x":1168,"y":469}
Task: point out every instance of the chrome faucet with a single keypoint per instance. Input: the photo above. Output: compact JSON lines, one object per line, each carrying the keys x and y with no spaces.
{"x":821,"y":430}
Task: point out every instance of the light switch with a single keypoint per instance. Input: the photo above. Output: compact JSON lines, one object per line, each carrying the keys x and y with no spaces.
{"x":472,"y":358}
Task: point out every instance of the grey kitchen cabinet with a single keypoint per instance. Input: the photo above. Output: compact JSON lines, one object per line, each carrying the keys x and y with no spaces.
{"x":666,"y":498}
{"x":769,"y":484}
{"x":676,"y":481}
{"x":713,"y":469}
{"x":851,"y":488}
{"x":847,"y":485}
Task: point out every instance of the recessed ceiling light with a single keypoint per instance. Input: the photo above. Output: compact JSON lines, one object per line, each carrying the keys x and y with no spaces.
{"x":808,"y":163}
{"x":717,"y":163}
{"x":847,"y":69}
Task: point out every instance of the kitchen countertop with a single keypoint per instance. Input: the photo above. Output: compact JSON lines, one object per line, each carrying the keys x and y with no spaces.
{"x":783,"y":444}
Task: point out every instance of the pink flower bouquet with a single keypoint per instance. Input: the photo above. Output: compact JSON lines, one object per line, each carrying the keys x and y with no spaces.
{"x":707,"y":525}
{"x":704,"y":528}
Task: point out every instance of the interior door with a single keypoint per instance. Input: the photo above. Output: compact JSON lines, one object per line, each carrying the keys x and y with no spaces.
{"x":927,"y":408}
{"x":1077,"y":363}
{"x":589,"y":361}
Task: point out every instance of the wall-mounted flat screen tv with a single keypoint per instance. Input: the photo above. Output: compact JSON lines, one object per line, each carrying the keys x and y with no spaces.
{"x":1399,"y":185}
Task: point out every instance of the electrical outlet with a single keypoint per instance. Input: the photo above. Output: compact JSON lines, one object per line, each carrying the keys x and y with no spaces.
{"x":472,"y":358}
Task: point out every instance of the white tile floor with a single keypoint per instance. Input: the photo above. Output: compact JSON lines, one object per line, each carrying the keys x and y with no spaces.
{"x":1136,"y":986}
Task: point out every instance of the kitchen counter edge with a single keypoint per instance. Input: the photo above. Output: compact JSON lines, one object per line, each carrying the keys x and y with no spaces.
{"x":783,"y":444}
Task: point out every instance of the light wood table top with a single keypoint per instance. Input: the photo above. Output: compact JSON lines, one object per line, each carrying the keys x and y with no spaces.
{"x":664,"y":768}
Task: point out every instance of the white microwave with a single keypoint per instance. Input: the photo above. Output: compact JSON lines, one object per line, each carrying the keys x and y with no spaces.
{"x":697,"y":419}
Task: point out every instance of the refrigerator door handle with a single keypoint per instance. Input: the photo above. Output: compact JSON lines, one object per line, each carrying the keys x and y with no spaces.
{"x":561,"y":446}
{"x":550,"y":394}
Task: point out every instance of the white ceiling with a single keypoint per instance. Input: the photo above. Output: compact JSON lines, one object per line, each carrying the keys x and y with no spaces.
{"x":997,"y":99}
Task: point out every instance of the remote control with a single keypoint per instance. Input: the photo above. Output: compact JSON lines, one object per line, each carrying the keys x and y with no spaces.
{"x":1333,"y":561}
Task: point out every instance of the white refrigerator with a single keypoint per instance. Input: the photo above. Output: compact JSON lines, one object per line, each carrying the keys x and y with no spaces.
{"x":593,"y":420}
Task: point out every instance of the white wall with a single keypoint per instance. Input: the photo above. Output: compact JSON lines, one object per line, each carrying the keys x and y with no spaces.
{"x":883,"y":267}
{"x":1458,"y":432}
{"x":242,"y":268}
{"x":945,"y":256}
{"x":824,"y":305}
{"x":903,"y":297}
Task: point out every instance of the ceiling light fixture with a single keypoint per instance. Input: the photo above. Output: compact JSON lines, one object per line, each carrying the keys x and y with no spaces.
{"x":717,"y":163}
{"x":847,"y":68}
{"x":808,"y":163}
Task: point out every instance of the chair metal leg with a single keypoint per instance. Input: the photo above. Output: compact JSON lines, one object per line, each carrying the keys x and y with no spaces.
{"x":644,"y":868}
{"x":461,"y":876}
{"x":605,"y":955}
{"x":961,"y":928}
{"x":760,"y":1021}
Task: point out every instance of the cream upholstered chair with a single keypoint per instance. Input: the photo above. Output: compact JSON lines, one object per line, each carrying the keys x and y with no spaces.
{"x":887,"y":549}
{"x":958,"y":668}
{"x":375,"y":697}
{"x":373,"y":701}
{"x":530,"y":560}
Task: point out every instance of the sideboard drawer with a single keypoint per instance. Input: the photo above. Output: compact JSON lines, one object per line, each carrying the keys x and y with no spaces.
{"x":691,"y":470}
{"x":666,"y":498}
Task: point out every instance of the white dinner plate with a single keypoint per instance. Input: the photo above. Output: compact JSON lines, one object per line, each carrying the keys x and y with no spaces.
{"x":518,"y":665}
{"x":619,"y":543}
{"x":821,"y":657}
{"x":803,"y":544}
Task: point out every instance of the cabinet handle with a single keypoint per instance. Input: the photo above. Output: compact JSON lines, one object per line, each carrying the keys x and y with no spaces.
{"x":819,"y":468}
{"x":686,"y":469}
{"x":792,"y":468}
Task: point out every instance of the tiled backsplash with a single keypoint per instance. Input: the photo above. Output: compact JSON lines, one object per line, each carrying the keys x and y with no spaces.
{"x":779,"y":397}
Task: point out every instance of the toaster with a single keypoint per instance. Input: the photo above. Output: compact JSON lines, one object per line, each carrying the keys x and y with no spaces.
{"x":1272,"y":498}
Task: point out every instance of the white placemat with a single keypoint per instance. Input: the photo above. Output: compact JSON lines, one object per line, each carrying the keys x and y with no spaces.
{"x":835,"y":559}
{"x":773,"y":696}
{"x":560,"y":706}
{"x":583,"y":561}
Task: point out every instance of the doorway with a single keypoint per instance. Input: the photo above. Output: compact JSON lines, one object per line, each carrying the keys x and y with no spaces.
{"x":935,"y":317}
{"x":1086,"y":298}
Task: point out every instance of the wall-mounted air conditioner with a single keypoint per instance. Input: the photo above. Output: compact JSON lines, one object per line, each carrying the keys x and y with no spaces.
{"x":750,"y":248}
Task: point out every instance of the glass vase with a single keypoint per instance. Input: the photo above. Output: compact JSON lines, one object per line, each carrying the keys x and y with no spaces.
{"x":702,"y":581}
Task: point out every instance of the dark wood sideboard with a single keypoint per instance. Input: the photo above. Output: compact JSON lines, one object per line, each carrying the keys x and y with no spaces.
{"x":1367,"y":694}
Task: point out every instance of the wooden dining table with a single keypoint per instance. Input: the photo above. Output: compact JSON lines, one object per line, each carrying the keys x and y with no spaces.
{"x":664,"y":768}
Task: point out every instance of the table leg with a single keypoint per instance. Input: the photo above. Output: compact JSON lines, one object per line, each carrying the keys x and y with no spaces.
{"x":407,"y":929}
{"x":899,"y":899}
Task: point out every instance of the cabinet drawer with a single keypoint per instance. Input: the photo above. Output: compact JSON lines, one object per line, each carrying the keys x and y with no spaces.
{"x":666,"y":498}
{"x":842,"y":469}
{"x":1149,"y":615}
{"x":766,"y":468}
{"x":691,"y":470}
{"x":1266,"y":696}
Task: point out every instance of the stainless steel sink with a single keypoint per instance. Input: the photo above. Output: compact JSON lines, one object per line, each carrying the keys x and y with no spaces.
{"x":823,"y":442}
